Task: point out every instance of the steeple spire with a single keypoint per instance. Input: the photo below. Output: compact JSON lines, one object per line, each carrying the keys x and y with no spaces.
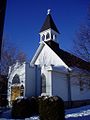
{"x":49,"y":23}
{"x":49,"y":30}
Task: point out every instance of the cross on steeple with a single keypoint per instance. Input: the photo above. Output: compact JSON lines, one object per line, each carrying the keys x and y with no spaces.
{"x":48,"y":11}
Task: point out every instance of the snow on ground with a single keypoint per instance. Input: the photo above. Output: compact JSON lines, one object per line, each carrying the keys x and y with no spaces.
{"x":81,"y":113}
{"x":6,"y":114}
{"x":33,"y":118}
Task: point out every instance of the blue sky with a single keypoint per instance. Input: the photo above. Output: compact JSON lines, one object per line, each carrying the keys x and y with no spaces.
{"x":24,"y":18}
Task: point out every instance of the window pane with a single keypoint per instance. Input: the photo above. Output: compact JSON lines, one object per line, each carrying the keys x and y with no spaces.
{"x":47,"y":36}
{"x":16,"y":79}
{"x":43,"y":83}
{"x":43,"y":37}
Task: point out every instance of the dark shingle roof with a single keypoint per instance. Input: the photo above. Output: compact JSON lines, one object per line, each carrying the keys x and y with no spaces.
{"x":70,"y":59}
{"x":49,"y":24}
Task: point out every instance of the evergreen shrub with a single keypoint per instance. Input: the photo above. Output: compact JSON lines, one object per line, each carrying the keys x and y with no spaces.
{"x":51,"y":108}
{"x":33,"y":106}
{"x":48,"y":108}
{"x":24,"y":108}
{"x":20,"y":109}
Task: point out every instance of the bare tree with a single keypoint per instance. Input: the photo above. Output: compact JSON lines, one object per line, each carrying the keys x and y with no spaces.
{"x":82,"y":41}
{"x":10,"y":54}
{"x":82,"y":49}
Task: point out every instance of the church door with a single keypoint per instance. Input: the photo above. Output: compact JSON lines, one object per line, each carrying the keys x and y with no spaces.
{"x":15,"y":92}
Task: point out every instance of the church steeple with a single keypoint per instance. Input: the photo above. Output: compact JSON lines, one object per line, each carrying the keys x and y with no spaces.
{"x":49,"y":30}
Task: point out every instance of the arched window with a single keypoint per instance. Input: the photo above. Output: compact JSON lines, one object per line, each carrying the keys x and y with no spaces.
{"x":43,"y":37}
{"x":47,"y":36}
{"x":22,"y":90}
{"x":54,"y":37}
{"x":51,"y":36}
{"x":43,"y":83}
{"x":16,"y":79}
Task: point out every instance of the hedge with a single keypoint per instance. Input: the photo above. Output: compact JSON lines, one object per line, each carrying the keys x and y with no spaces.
{"x":48,"y":108}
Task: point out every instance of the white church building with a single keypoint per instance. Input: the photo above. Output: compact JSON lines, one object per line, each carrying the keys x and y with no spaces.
{"x":52,"y":71}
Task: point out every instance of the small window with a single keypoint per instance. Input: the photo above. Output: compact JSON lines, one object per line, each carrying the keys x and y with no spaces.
{"x":51,"y":36}
{"x":43,"y":83}
{"x":21,"y":93}
{"x":47,"y":36}
{"x":81,"y":85}
{"x":54,"y":37}
{"x":22,"y":90}
{"x":43,"y":37}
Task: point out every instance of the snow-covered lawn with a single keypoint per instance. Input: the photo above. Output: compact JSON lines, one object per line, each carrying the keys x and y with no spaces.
{"x":81,"y":113}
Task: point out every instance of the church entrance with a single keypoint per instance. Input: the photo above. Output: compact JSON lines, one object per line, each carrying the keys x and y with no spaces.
{"x":17,"y":89}
{"x":15,"y":92}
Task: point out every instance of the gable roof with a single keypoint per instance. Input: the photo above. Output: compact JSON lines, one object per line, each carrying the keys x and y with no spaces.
{"x":70,"y":59}
{"x":49,"y":24}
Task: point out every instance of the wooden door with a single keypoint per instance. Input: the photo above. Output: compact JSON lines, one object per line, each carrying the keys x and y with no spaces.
{"x":15,"y":92}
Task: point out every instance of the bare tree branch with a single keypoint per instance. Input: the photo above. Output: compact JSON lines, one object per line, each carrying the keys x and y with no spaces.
{"x":10,"y":54}
{"x":82,"y":49}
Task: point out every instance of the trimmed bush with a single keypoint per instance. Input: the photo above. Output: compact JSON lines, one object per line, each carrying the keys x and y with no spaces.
{"x":33,"y":106}
{"x":21,"y":109}
{"x":51,"y":108}
{"x":48,"y":108}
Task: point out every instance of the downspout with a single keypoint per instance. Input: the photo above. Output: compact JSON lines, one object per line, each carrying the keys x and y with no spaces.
{"x":51,"y":94}
{"x":25,"y":85}
{"x":69,"y":85}
{"x":35,"y":80}
{"x":51,"y":83}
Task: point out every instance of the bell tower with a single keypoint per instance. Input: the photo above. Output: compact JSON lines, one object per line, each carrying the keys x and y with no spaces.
{"x":49,"y":30}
